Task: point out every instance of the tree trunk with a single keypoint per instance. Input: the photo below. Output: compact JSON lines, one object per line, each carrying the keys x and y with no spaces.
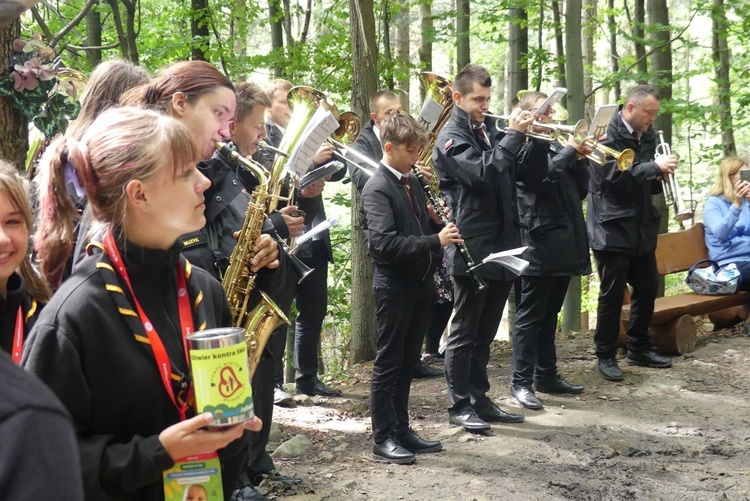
{"x":14,"y":142}
{"x":131,"y":10}
{"x":364,"y":85}
{"x":518,"y":39}
{"x":576,"y":99}
{"x":559,"y":44}
{"x":199,"y":29}
{"x":639,"y":37}
{"x":661,"y":79}
{"x":425,"y":42}
{"x":463,"y":46}
{"x":403,"y":55}
{"x":614,"y":57}
{"x":94,"y":36}
{"x":239,"y":33}
{"x":387,"y":54}
{"x":121,"y":37}
{"x":277,"y":36}
{"x":589,"y":51}
{"x":720,"y":53}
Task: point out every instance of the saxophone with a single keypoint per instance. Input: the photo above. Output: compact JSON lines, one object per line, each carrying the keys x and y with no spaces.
{"x":239,"y":280}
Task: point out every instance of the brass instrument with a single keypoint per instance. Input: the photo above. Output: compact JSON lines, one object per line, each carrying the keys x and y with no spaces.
{"x":239,"y":279}
{"x":272,"y":149}
{"x":440,"y":90}
{"x":671,"y":186}
{"x":432,"y":198}
{"x":350,"y":125}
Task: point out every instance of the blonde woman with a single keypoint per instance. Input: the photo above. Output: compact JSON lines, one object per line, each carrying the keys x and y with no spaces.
{"x":726,"y":217}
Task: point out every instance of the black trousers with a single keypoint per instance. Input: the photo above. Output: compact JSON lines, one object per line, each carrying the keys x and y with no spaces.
{"x":616,"y":270}
{"x":401,"y":310}
{"x":312,"y":303}
{"x":440,"y":313}
{"x":473,"y":328}
{"x":534,"y":331}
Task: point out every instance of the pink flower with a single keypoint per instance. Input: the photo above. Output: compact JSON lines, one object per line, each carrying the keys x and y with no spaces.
{"x":24,"y":81}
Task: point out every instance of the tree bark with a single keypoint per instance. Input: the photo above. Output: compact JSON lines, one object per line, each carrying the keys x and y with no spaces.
{"x":721,"y":54}
{"x":277,"y":36}
{"x":94,"y":36}
{"x":639,"y":37}
{"x":14,"y":142}
{"x":559,"y":44}
{"x":589,"y":53}
{"x":403,"y":54}
{"x":387,"y":54}
{"x":121,"y":37}
{"x":131,"y":9}
{"x":518,"y":39}
{"x":575,"y":103}
{"x":614,"y":57}
{"x":239,"y":33}
{"x":463,"y":46}
{"x":425,"y":42}
{"x":364,"y":85}
{"x":199,"y":32}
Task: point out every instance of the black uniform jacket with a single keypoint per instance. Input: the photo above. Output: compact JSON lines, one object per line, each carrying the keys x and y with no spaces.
{"x":479,"y":185}
{"x":401,"y":244}
{"x":621,"y":216}
{"x":226,"y":206}
{"x":551,"y":215}
{"x":368,"y":145}
{"x":15,"y":297}
{"x":84,"y":349}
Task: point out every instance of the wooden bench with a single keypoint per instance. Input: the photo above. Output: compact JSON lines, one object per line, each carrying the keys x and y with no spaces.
{"x":673,"y":326}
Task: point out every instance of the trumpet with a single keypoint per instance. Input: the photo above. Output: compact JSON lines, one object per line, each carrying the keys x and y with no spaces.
{"x":599,"y":154}
{"x":671,"y":186}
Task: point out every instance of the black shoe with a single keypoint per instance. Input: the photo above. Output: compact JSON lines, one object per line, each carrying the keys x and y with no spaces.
{"x":392,"y":452}
{"x":422,"y":370}
{"x":557,"y":384}
{"x":430,"y":358}
{"x":416,"y":444}
{"x":649,"y":358}
{"x":609,"y":369}
{"x":281,"y":397}
{"x":494,"y":414}
{"x":317,"y":387}
{"x":247,"y":493}
{"x":469,"y":420}
{"x":525,"y":397}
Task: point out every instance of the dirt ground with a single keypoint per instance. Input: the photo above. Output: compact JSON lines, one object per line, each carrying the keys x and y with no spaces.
{"x":661,"y":434}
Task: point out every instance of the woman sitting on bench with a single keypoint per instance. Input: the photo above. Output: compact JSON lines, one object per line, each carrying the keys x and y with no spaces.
{"x":726,"y":217}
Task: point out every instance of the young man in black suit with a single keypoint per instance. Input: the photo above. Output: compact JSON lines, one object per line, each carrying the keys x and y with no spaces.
{"x":476,"y":165}
{"x":403,"y":241}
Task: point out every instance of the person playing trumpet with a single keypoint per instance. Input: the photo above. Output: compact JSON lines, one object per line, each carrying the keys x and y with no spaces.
{"x":622,"y":226}
{"x":553,"y":229}
{"x":476,"y":165}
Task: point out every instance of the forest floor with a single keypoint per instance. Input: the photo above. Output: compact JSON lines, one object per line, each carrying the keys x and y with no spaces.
{"x":661,"y":434}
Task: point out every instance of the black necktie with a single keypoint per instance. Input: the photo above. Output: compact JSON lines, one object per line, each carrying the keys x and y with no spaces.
{"x":405,"y":182}
{"x":635,"y":134}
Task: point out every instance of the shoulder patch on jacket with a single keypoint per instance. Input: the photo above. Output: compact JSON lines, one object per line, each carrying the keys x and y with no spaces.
{"x":196,"y":238}
{"x":448,"y":143}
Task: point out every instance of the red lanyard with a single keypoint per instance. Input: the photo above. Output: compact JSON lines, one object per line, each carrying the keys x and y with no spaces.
{"x":18,"y":338}
{"x":186,"y":321}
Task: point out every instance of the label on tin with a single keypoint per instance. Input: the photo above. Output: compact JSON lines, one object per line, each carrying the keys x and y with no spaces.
{"x":222,"y":385}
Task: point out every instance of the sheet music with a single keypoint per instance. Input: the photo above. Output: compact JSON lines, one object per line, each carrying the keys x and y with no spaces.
{"x":552,"y":100}
{"x":509,"y":260}
{"x":601,"y":120}
{"x":318,"y":129}
{"x":430,"y":114}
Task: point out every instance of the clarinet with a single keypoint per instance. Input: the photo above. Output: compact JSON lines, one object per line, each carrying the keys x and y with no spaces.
{"x":432,"y":199}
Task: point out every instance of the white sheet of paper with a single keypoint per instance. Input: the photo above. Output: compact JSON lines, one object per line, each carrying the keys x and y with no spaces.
{"x":430,"y":114}
{"x":601,"y":120}
{"x":509,"y":260}
{"x":318,"y":129}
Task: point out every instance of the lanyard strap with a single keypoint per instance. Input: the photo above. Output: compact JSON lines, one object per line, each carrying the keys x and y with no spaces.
{"x":163,"y":364}
{"x":18,"y":338}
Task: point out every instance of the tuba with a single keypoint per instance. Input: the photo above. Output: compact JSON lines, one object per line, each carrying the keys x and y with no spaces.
{"x":438,"y":92}
{"x":239,"y":279}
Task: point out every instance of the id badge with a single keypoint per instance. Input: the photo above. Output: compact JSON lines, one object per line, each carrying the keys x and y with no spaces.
{"x":194,"y":478}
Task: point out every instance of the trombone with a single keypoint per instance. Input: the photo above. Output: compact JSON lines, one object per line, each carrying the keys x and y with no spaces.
{"x":623,"y":159}
{"x":350,"y":125}
{"x":671,"y":186}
